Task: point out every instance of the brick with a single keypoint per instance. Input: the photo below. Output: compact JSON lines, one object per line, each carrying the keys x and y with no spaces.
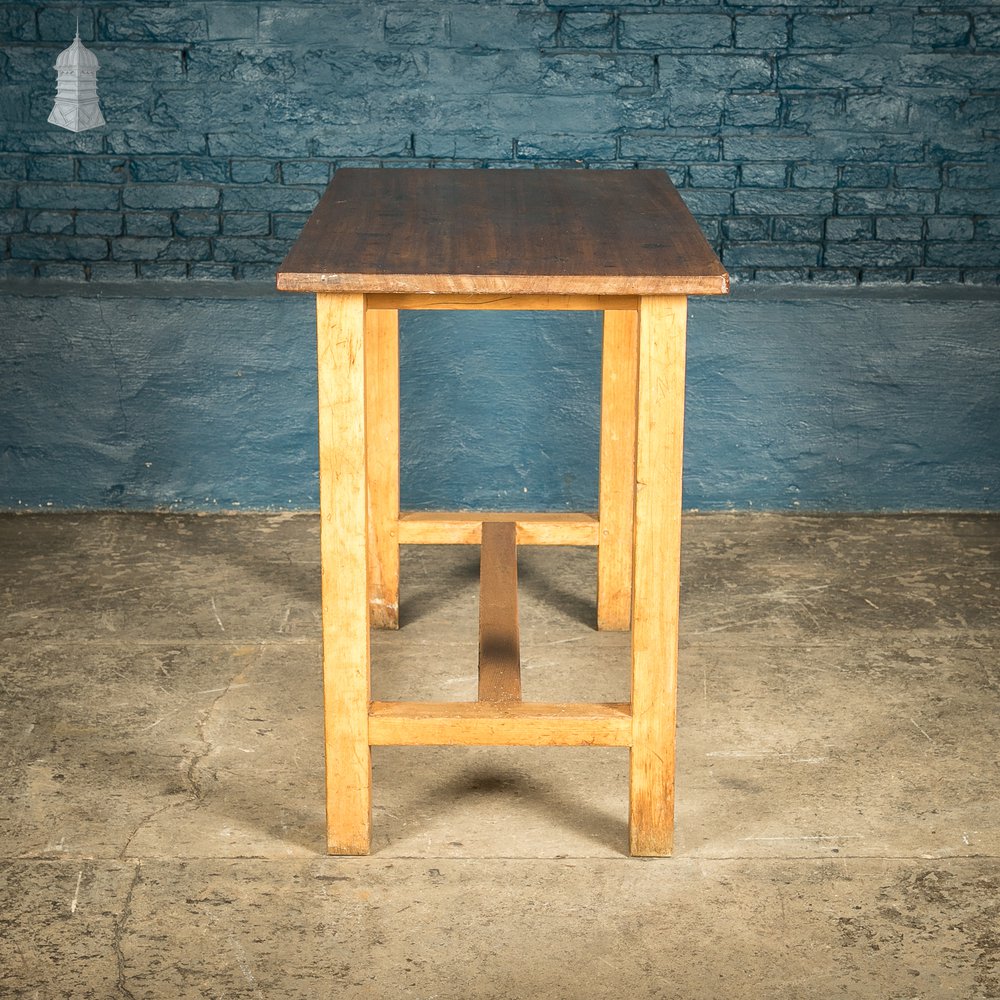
{"x":238,"y":249}
{"x":110,"y":271}
{"x":62,"y":271}
{"x":954,"y":201}
{"x":712,"y":175}
{"x":502,"y":26}
{"x":51,"y":168}
{"x":171,"y":271}
{"x":102,"y":169}
{"x":246,"y":224}
{"x":196,"y":223}
{"x":152,"y":248}
{"x":587,"y":30}
{"x":745,"y":229}
{"x":899,"y":227}
{"x":894,"y":200}
{"x":814,"y":175}
{"x":847,"y":227}
{"x":12,"y":168}
{"x":305,"y":172}
{"x":941,"y":31}
{"x":99,"y":224}
{"x":154,"y":169}
{"x":58,"y":248}
{"x":157,"y":65}
{"x":946,"y":227}
{"x":983,"y":277}
{"x":415,"y":27}
{"x":183,"y":23}
{"x":935,"y":276}
{"x":210,"y":271}
{"x":288,"y":226}
{"x":864,"y":175}
{"x":987,"y":228}
{"x":771,"y":254}
{"x":201,"y":168}
{"x":714,"y":73}
{"x":978,"y":70}
{"x":877,"y":112}
{"x":256,"y":272}
{"x":761,"y":32}
{"x":12,"y":220}
{"x":566,"y":147}
{"x":761,"y":201}
{"x":926,"y":177}
{"x":288,"y":23}
{"x":974,"y":175}
{"x":16,"y":269}
{"x":266,"y":198}
{"x":147,"y":141}
{"x":148,"y":224}
{"x":885,"y":276}
{"x":58,"y":24}
{"x":752,"y":109}
{"x":798,"y":229}
{"x":830,"y":276}
{"x":254,"y":171}
{"x":80,"y":196}
{"x":17,"y":23}
{"x":167,"y":196}
{"x":50,"y":222}
{"x":679,"y":149}
{"x":832,"y":71}
{"x":231,"y":21}
{"x":464,"y":145}
{"x":872,"y":253}
{"x":702,"y":201}
{"x":987,"y":31}
{"x":773,"y":175}
{"x":665,"y":32}
{"x":848,"y":31}
{"x":8,"y":193}
{"x":980,"y":253}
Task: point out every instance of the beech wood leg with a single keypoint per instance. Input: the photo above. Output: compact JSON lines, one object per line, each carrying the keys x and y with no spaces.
{"x":343,"y":533}
{"x":656,"y":582}
{"x":617,"y":469}
{"x":382,"y":419}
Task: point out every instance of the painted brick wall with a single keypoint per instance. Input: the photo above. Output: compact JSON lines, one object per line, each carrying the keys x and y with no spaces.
{"x":815,"y":140}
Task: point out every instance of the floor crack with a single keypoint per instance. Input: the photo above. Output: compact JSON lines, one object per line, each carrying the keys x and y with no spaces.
{"x":121,"y":922}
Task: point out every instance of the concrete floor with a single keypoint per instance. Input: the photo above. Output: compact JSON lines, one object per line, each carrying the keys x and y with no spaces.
{"x":161,"y":817}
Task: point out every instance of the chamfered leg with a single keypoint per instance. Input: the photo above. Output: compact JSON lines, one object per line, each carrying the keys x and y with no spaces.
{"x":656,"y":581}
{"x":343,"y":544}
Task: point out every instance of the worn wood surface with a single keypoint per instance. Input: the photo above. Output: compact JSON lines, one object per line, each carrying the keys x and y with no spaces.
{"x":515,"y":724}
{"x":656,"y":580}
{"x":343,"y":510}
{"x":528,"y":232}
{"x":617,"y":469}
{"x":382,"y":435}
{"x":564,"y":303}
{"x":499,"y":631}
{"x":465,"y":527}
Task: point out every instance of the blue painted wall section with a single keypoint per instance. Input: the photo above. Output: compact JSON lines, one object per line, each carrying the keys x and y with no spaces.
{"x":843,"y":158}
{"x":794,"y":402}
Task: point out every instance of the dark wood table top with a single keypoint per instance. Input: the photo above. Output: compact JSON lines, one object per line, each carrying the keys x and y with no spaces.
{"x":514,"y":232}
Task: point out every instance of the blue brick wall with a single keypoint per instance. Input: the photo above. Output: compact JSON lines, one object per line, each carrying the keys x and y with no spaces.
{"x":816,"y":141}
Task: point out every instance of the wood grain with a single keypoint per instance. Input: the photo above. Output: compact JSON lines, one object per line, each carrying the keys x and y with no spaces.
{"x":656,"y":586}
{"x":382,"y":433}
{"x":565,"y":303}
{"x":499,"y":631}
{"x":513,"y":232}
{"x":465,"y":527}
{"x":516,"y":724}
{"x":343,"y":508}
{"x":619,"y":366}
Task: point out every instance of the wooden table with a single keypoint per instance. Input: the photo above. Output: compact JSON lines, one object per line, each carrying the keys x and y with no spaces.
{"x":621,"y":242}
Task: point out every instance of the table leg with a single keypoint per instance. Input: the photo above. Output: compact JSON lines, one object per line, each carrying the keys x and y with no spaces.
{"x":656,"y":581}
{"x":343,"y":544}
{"x":382,"y":416}
{"x":617,"y":488}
